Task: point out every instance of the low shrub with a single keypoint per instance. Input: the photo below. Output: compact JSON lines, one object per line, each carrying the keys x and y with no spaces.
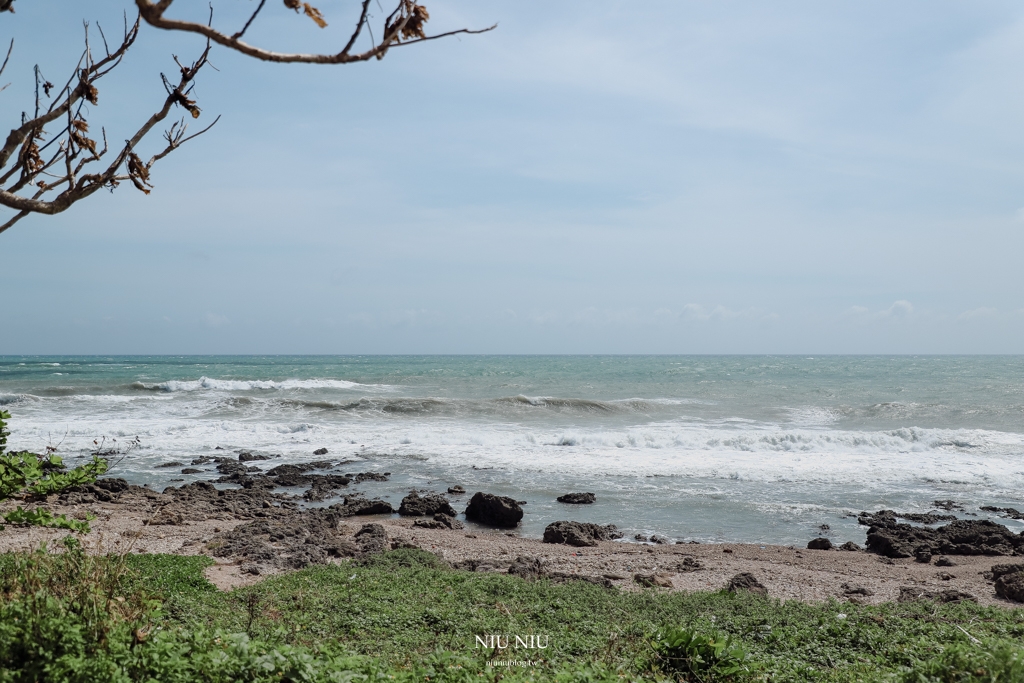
{"x":692,"y":655}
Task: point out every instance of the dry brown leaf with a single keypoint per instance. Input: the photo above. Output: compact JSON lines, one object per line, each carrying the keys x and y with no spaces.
{"x":413,"y":28}
{"x":186,"y":103}
{"x":138,"y":172}
{"x":32,"y":160}
{"x":314,"y":14}
{"x":80,"y":125}
{"x":87,"y":89}
{"x":292,"y":4}
{"x":84,"y":142}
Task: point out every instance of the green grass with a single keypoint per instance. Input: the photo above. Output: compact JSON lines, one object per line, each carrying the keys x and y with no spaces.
{"x":404,"y":615}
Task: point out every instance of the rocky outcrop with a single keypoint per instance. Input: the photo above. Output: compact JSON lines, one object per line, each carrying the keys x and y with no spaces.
{"x":372,"y":538}
{"x":440,"y":521}
{"x":496,"y":511}
{"x":456,"y":490}
{"x":324,"y":486}
{"x":415,"y":505}
{"x":653,"y":580}
{"x":579,"y":534}
{"x":890,"y":538}
{"x":289,"y":542}
{"x":1009,"y":581}
{"x":1011,"y":513}
{"x":531,"y":568}
{"x":357,"y":505}
{"x":577,"y":498}
{"x":745,"y":581}
{"x":850,"y":546}
{"x":246,"y":456}
{"x":820,"y":543}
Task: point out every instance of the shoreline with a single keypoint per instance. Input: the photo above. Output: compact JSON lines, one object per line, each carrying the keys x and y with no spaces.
{"x":139,"y":520}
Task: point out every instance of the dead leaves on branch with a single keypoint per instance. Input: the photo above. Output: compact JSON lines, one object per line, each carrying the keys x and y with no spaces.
{"x":407,"y":22}
{"x":86,"y":89}
{"x":185,"y":102}
{"x":138,"y":172}
{"x":413,"y":28}
{"x":77,"y":132}
{"x":307,"y":9}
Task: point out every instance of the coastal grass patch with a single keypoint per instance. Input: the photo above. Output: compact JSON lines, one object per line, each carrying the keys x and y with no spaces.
{"x":403,"y":605}
{"x":405,"y":615}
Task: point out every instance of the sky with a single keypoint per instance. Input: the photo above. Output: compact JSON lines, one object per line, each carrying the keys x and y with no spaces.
{"x":675,"y":176}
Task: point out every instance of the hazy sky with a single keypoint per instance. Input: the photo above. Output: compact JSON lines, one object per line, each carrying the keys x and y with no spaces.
{"x":675,"y":176}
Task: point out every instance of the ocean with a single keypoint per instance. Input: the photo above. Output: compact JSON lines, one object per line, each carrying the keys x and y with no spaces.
{"x":706,"y":448}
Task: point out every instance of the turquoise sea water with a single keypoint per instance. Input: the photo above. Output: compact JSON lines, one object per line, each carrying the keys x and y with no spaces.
{"x":731,"y":448}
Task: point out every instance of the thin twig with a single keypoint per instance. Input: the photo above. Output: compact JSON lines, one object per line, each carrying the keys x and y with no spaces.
{"x":249,"y":23}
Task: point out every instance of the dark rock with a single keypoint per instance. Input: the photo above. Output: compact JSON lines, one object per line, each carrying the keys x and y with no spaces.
{"x":923,"y":554}
{"x":850,"y":546}
{"x":372,"y":538}
{"x":415,"y":505}
{"x":745,"y":581}
{"x":456,"y":490}
{"x":323,"y":486}
{"x":819,"y":543}
{"x":945,"y":576}
{"x":998,"y":570}
{"x":112,"y":485}
{"x":1010,"y":582}
{"x":357,"y":505}
{"x":448,"y":521}
{"x":173,"y":463}
{"x":203,"y":459}
{"x":824,"y":527}
{"x":371,"y":476}
{"x":579,"y":534}
{"x":891,"y":517}
{"x":246,"y":456}
{"x":231,"y":467}
{"x":1011,"y":513}
{"x":429,"y":524}
{"x":944,"y":562}
{"x":856,"y":590}
{"x":689,"y":564}
{"x":962,"y":537}
{"x":577,"y":498}
{"x":528,"y":568}
{"x":320,"y":451}
{"x":660,"y":540}
{"x":653,"y":580}
{"x":496,"y":511}
{"x":911,"y":593}
{"x":641,"y":538}
{"x":947,"y":505}
{"x":288,"y":470}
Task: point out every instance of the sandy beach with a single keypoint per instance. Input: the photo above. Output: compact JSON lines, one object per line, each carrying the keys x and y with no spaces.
{"x":139,"y":520}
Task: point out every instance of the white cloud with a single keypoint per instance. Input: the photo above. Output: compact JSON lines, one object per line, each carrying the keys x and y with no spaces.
{"x":900,"y":310}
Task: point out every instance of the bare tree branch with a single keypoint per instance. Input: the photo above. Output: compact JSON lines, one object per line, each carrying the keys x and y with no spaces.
{"x":404,"y":23}
{"x":49,"y":162}
{"x":77,"y":150}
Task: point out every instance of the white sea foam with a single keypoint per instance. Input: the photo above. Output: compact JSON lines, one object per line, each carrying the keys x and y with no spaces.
{"x":208,"y":384}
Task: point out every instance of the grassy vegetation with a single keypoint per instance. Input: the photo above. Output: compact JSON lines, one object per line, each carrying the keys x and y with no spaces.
{"x":403,"y":616}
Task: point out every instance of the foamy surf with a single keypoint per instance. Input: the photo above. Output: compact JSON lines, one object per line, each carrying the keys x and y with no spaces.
{"x":679,"y":445}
